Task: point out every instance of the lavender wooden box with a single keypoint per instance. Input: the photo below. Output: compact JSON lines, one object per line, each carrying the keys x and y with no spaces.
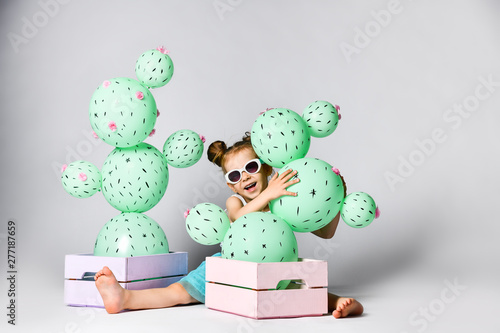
{"x":245,"y":288}
{"x":153,"y":271}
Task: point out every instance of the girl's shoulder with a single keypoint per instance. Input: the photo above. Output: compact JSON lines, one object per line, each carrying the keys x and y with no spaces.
{"x":239,"y":197}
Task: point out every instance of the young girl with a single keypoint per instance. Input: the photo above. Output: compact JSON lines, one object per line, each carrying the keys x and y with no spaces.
{"x":247,"y":177}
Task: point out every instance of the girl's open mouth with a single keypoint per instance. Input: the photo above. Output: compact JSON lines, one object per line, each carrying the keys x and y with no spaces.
{"x":250,"y":187}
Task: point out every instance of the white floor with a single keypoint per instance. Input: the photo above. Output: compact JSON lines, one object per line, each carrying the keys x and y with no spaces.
{"x":408,"y":303}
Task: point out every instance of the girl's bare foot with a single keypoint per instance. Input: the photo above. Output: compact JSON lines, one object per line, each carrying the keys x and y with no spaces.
{"x":347,"y":307}
{"x":113,"y":295}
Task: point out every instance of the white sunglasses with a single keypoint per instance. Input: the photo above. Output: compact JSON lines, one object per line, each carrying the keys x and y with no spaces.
{"x":251,"y":167}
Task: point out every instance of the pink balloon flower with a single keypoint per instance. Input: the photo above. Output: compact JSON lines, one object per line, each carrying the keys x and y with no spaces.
{"x":82,"y":177}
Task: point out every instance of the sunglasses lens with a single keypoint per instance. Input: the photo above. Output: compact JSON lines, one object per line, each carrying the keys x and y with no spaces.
{"x":234,"y":176}
{"x":252,"y":167}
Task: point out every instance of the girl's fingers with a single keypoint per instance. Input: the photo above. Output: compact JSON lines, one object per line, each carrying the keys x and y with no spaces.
{"x":291,"y":182}
{"x":288,"y":174}
{"x":284,"y":173}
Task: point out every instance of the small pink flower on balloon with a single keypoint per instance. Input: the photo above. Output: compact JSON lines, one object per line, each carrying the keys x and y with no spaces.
{"x":157,"y":113}
{"x":139,"y":95}
{"x":337,"y":171}
{"x":82,"y":177}
{"x":377,"y":213}
{"x":152,"y":132}
{"x":186,"y":213}
{"x":94,"y":134}
{"x":64,"y":167}
{"x":202,"y":138}
{"x":112,"y":126}
{"x":162,"y":49}
{"x":106,"y":83}
{"x":338,"y":111}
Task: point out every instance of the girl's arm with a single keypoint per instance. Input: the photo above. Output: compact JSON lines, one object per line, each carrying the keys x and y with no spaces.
{"x":329,"y":230}
{"x":277,"y":187}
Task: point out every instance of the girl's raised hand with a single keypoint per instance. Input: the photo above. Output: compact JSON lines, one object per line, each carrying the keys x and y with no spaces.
{"x":278,"y":184}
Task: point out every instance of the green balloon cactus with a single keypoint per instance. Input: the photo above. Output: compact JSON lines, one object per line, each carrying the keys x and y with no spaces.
{"x":280,"y":136}
{"x":183,"y":148}
{"x":122,"y":112}
{"x":135,"y":175}
{"x":320,"y":192}
{"x":81,"y":179}
{"x":134,"y":178}
{"x":154,"y":68}
{"x":359,"y":210}
{"x":260,"y":237}
{"x":207,"y":223}
{"x":321,"y":118}
{"x":130,"y":235}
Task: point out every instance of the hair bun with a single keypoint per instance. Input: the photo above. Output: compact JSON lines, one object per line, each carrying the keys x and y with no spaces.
{"x":246,"y":137}
{"x":216,"y":151}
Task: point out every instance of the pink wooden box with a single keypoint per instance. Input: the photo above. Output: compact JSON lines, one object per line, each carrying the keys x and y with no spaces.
{"x":153,"y":271}
{"x":245,"y":288}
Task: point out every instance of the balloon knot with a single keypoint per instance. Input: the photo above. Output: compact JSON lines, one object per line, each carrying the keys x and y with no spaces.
{"x":336,"y":171}
{"x":186,"y":213}
{"x":139,"y":95}
{"x":64,"y":167}
{"x":152,"y":132}
{"x":203,"y":138}
{"x":377,"y":213}
{"x":106,"y":83}
{"x":82,"y":177}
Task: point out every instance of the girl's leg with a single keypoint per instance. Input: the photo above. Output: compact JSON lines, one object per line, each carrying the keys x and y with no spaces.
{"x":117,"y":299}
{"x":343,"y":306}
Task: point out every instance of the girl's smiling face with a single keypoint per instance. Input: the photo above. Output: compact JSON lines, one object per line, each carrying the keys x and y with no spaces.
{"x":250,"y":185}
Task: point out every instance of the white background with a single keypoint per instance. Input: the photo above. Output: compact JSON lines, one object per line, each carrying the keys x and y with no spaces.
{"x":399,"y":70}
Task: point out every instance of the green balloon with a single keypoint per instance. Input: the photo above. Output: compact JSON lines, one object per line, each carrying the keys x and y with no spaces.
{"x":319,"y":196}
{"x":183,"y":148}
{"x":122,"y":112}
{"x":358,"y":210}
{"x":154,"y":69}
{"x":81,"y":179}
{"x":130,"y":235}
{"x":321,"y":118}
{"x":134,"y":179}
{"x":207,"y":223}
{"x":280,"y":136}
{"x":260,"y":237}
